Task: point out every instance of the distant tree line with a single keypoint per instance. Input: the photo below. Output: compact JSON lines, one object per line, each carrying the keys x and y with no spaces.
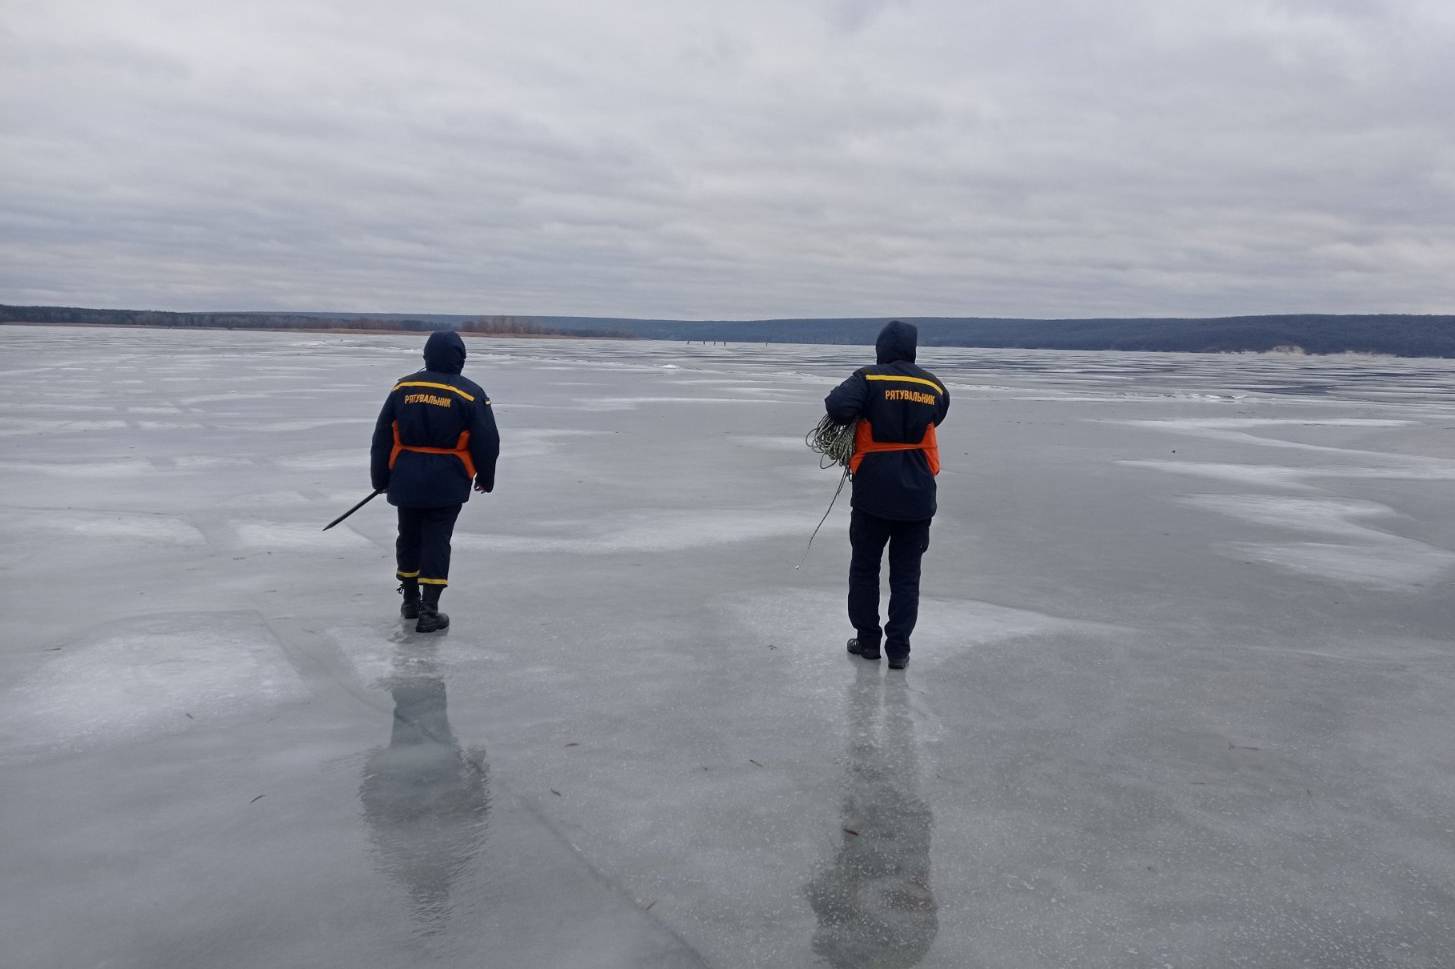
{"x":1398,"y":335}
{"x":483,"y":325}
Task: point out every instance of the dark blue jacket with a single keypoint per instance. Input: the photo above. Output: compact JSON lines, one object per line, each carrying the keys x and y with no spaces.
{"x":431,"y":408}
{"x":900,"y":401}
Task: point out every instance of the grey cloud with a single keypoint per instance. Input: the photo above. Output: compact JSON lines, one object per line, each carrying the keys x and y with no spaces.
{"x":655,"y":158}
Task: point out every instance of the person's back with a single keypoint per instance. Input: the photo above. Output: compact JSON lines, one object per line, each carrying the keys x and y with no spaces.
{"x":434,"y":434}
{"x":897,"y":406}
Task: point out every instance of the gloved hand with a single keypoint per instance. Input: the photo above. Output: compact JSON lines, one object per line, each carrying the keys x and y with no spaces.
{"x":381,"y":484}
{"x":483,"y":484}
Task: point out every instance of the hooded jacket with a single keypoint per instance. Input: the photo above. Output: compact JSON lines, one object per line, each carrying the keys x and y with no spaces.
{"x":432,"y":408}
{"x":900,"y":402}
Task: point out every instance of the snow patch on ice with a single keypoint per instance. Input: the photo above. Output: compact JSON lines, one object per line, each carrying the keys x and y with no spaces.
{"x":20,"y":427}
{"x":532,"y":442}
{"x":142,"y":528}
{"x":1239,"y":431}
{"x":300,"y":424}
{"x":1241,"y":423}
{"x":226,"y":398}
{"x":207,"y":462}
{"x":1331,"y":515}
{"x":171,"y":425}
{"x":92,"y":470}
{"x":146,"y":677}
{"x":632,"y":403}
{"x":296,"y":536}
{"x":1368,"y":556}
{"x":327,"y":460}
{"x":770,"y":442}
{"x":1392,"y":566}
{"x":1244,"y":474}
{"x":664,"y":531}
{"x":276,"y":499}
{"x":1281,"y":476}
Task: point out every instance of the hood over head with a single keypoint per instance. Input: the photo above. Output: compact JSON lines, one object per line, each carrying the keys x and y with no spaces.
{"x":896,"y":342}
{"x":444,"y":352}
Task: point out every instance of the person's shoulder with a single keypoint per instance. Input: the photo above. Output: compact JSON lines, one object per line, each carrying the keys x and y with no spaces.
{"x":469,"y":386}
{"x":930,"y":376}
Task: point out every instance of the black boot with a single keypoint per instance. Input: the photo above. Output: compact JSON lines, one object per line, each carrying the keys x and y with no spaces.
{"x":430,"y":618}
{"x":409,"y":609}
{"x":864,"y":650}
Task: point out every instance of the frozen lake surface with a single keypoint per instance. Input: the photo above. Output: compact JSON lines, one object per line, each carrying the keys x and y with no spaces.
{"x":1181,"y":693}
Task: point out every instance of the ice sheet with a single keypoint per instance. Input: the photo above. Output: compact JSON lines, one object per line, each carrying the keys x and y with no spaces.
{"x":1185,"y":709}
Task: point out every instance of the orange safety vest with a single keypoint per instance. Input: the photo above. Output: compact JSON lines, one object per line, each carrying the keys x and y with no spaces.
{"x":864,"y":443}
{"x":461,"y":450}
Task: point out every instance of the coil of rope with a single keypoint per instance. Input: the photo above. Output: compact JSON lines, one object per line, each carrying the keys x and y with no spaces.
{"x":834,"y":445}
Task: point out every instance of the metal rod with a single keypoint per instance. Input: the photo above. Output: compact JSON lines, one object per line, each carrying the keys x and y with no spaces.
{"x":371,"y":497}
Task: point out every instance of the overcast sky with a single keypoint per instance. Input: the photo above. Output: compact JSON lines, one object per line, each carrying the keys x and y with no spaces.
{"x":730,"y":160}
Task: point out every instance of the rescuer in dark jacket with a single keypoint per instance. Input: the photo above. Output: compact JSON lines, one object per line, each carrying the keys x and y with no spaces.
{"x":435,"y":432}
{"x":897,"y":406}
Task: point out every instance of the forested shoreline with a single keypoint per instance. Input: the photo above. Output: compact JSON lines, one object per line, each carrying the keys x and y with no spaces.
{"x":1394,"y":334}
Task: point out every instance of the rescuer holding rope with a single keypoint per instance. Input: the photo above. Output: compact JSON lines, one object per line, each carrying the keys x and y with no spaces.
{"x":435,"y":433}
{"x":895,"y":461}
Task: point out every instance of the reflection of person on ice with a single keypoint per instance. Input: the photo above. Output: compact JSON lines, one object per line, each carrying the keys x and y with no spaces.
{"x":435,"y":433}
{"x":896,"y":457}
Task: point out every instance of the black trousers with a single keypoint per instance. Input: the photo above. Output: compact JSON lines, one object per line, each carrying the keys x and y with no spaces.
{"x":422,"y":550}
{"x":907,"y":541}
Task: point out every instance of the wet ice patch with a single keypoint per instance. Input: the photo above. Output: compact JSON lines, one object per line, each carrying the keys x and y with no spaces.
{"x":797,"y":620}
{"x":371,"y":655}
{"x":145,"y":677}
{"x":386,"y":649}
